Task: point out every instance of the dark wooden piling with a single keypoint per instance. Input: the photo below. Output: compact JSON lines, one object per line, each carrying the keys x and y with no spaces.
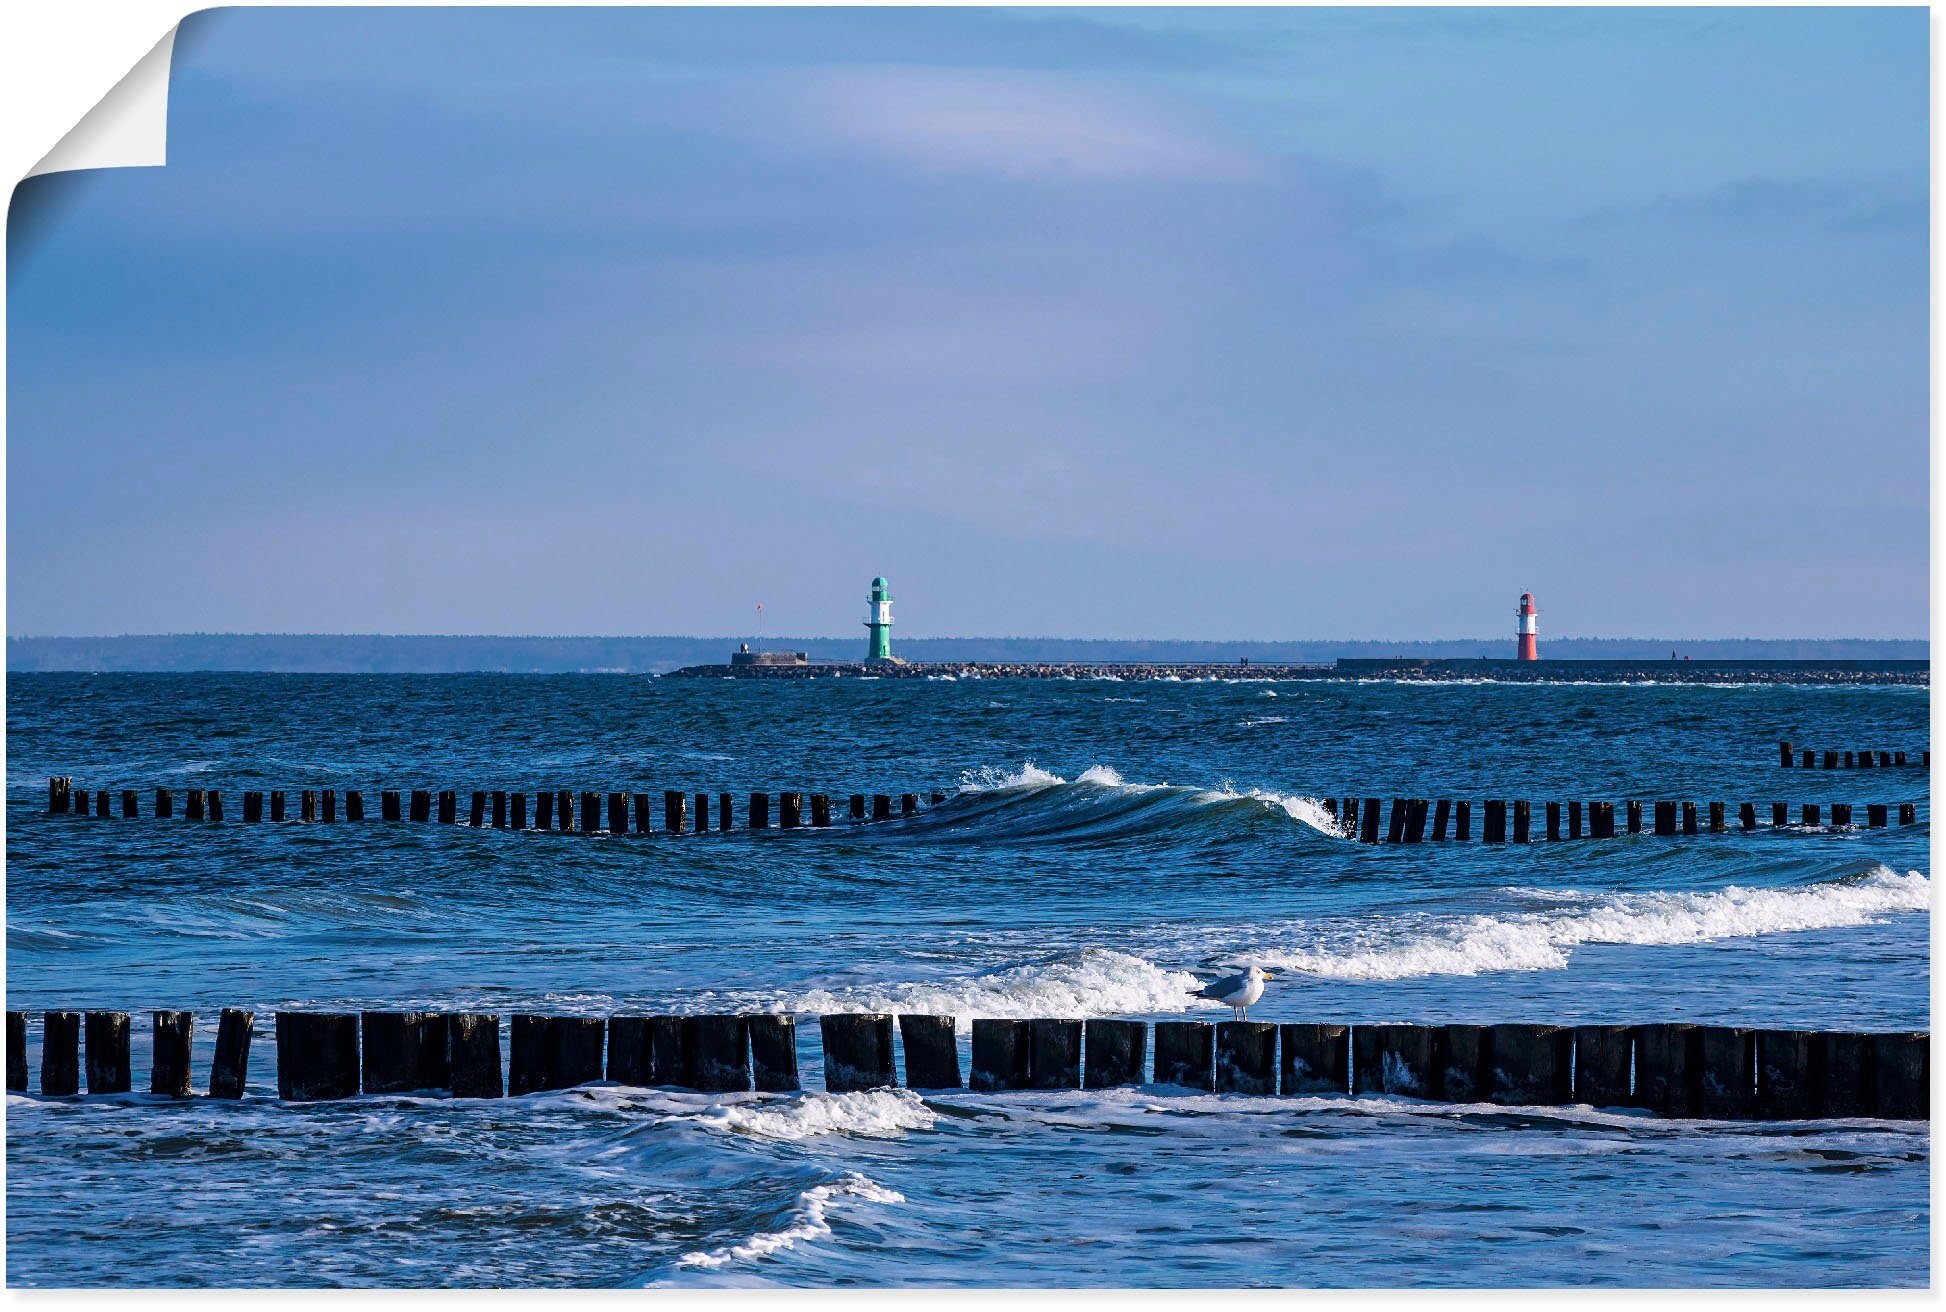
{"x":60,"y":1053}
{"x":563,"y":810}
{"x":628,"y":1051}
{"x":1395,"y":824}
{"x":277,"y":806}
{"x":317,"y":1055}
{"x":478,"y":816}
{"x":131,"y":807}
{"x":1415,"y":820}
{"x":759,"y":811}
{"x":1315,"y":1058}
{"x":618,"y":813}
{"x":1903,"y":1074}
{"x":1053,"y":1054}
{"x":16,"y":1052}
{"x":1784,"y":754}
{"x":1601,"y":819}
{"x":473,"y":1055}
{"x":1663,"y":1073}
{"x":448,"y":807}
{"x":197,"y":809}
{"x":857,"y":811}
{"x":1393,"y":1059}
{"x":1725,"y":1071}
{"x":790,"y":810}
{"x":354,"y":805}
{"x":908,"y":804}
{"x":1185,"y":1050}
{"x":1348,"y":818}
{"x":1790,"y":1075}
{"x":1002,"y":1055}
{"x":936,"y":798}
{"x":881,"y":807}
{"x":102,"y":805}
{"x":421,"y":805}
{"x":1462,"y":1063}
{"x":229,"y":1070}
{"x":1368,"y":819}
{"x":1747,"y":816}
{"x":1246,"y":1057}
{"x":215,"y":805}
{"x":1462,"y":821}
{"x":719,"y":1053}
{"x":1780,"y":814}
{"x":1807,"y":759}
{"x":388,"y":804}
{"x":517,"y":807}
{"x":931,"y":1052}
{"x":543,"y":809}
{"x":1523,"y":821}
{"x":1442,"y":816}
{"x":1574,"y":820}
{"x":701,"y":820}
{"x":1850,"y":1078}
{"x":820,"y":811}
{"x":253,"y":808}
{"x":644,"y":812}
{"x":165,"y":804}
{"x":1602,"y":1057}
{"x":328,"y":805}
{"x":1908,"y":813}
{"x":1831,"y":760}
{"x":1848,"y":761}
{"x":81,"y":802}
{"x":857,"y":1052}
{"x":554,"y":1052}
{"x":1689,"y":822}
{"x":1898,"y":758}
{"x":1117,"y":1053}
{"x":1875,"y":815}
{"x":1810,"y":814}
{"x":674,"y":808}
{"x":773,"y":1052}
{"x":404,"y":1051}
{"x":60,"y":794}
{"x":1634,"y":816}
{"x":1665,"y":819}
{"x":590,"y":812}
{"x":107,"y":1052}
{"x":1554,"y":822}
{"x":307,"y":806}
{"x":669,"y":1051}
{"x":1841,"y":814}
{"x":1495,"y":828}
{"x":1531,"y":1065}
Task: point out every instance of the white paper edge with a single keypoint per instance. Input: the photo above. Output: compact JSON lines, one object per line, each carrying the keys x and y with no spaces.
{"x":128,"y":127}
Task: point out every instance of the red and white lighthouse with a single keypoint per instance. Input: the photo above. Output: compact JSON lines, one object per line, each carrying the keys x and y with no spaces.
{"x":1527,"y":642}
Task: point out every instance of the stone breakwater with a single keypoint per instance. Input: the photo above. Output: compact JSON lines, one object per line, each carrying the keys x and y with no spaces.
{"x":1409,"y":670}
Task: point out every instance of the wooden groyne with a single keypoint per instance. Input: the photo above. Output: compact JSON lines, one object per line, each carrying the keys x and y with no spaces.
{"x":1707,"y":1071}
{"x":1858,"y":758}
{"x":1443,"y":820}
{"x":563,"y":810}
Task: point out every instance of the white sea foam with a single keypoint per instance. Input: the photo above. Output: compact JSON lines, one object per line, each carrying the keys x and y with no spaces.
{"x":1543,"y":940}
{"x":994,"y":779}
{"x":809,"y":1220}
{"x":879,"y":1114}
{"x":1090,"y":982}
{"x":1030,"y":777}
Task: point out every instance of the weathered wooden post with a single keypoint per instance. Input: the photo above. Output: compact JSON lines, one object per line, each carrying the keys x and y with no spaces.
{"x":102,"y":804}
{"x":544,"y":809}
{"x":1554,"y":823}
{"x":1462,"y":1063}
{"x":1117,"y":1053}
{"x":1442,"y":815}
{"x":931,"y":1051}
{"x":1784,"y":754}
{"x":328,"y":803}
{"x":702,"y":813}
{"x":618,"y":813}
{"x":1392,"y":1059}
{"x":215,"y":805}
{"x":197,"y":808}
{"x":1368,"y":817}
{"x":107,"y":1052}
{"x":1689,"y":818}
{"x":1246,"y":1057}
{"x":317,"y":1055}
{"x":1001,"y":1055}
{"x":477,"y":816}
{"x":1602,"y":1056}
{"x":81,"y":801}
{"x":674,"y":811}
{"x":1185,"y":1054}
{"x":1747,"y":816}
{"x":60,"y":1053}
{"x":1348,"y":818}
{"x":857,"y":811}
{"x":1810,"y":813}
{"x":937,"y":798}
{"x":669,"y":1051}
{"x":1875,"y":815}
{"x":1831,"y":760}
{"x":448,"y":807}
{"x":60,"y":794}
{"x":1523,"y":821}
{"x":790,"y":809}
{"x":1665,"y":819}
{"x":277,"y":808}
{"x":404,"y":1051}
{"x":421,"y":805}
{"x":857,"y":1052}
{"x":16,"y":1052}
{"x":388,"y":804}
{"x":1908,"y":813}
{"x":473,"y":1055}
{"x":908,"y":804}
{"x":773,"y":1052}
{"x":253,"y":808}
{"x":1601,"y":819}
{"x":1808,"y":760}
{"x":1462,"y":821}
{"x":644,"y":812}
{"x":1841,"y":815}
{"x":230,"y":1069}
{"x":517,"y":810}
{"x":1316,"y":1058}
{"x":629,"y":1054}
{"x":354,"y":806}
{"x":1780,"y":814}
{"x":590,"y":812}
{"x":553,"y":1052}
{"x":1848,"y":761}
{"x":1531,"y":1065}
{"x":1415,"y":820}
{"x":172,"y":1036}
{"x":563,"y":810}
{"x":1495,"y":829}
{"x":1903,"y":1076}
{"x":1054,"y":1054}
{"x":1634,"y":809}
{"x":1725,"y":1074}
{"x":165,"y":806}
{"x":307,"y":806}
{"x":1395,"y":826}
{"x":820,"y":811}
{"x":131,"y":808}
{"x":760,"y":810}
{"x":1664,"y":1074}
{"x":1790,"y":1075}
{"x":1898,"y":758}
{"x":719,"y":1053}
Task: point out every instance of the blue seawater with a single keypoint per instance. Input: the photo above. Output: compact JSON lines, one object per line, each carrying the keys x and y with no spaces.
{"x":1102,"y":844}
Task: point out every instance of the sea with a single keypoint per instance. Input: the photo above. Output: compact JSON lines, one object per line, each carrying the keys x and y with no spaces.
{"x":1102,"y":847}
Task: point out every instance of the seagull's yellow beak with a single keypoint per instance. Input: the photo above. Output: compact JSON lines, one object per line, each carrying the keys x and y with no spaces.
{"x":1268,"y":975}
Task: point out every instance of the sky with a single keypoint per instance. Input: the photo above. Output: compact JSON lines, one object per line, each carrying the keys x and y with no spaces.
{"x":1245,"y":324}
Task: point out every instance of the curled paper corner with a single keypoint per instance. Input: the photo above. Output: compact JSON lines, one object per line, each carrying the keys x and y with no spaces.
{"x":128,"y":127}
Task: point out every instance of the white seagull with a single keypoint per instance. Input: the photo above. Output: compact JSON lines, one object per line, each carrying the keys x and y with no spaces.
{"x":1237,"y":992}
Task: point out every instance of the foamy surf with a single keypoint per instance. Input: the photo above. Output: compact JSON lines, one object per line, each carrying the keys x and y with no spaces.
{"x":1090,"y":982}
{"x":879,"y":1114}
{"x":1404,"y":947}
{"x":809,"y":1220}
{"x":1108,"y":782}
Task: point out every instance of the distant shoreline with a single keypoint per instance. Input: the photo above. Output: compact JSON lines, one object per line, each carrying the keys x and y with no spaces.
{"x":652,"y":654}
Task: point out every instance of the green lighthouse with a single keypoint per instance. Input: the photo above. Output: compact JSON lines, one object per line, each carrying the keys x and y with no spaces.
{"x":878,"y":619}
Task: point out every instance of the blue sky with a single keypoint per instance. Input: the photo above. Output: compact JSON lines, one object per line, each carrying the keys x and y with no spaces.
{"x":1166,"y":323}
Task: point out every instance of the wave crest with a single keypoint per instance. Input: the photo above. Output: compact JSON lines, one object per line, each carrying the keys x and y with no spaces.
{"x":1091,"y":982}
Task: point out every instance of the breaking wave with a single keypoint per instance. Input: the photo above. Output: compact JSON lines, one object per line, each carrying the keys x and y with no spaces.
{"x":879,"y":1114}
{"x":1090,"y":982}
{"x":1405,"y":947}
{"x":809,"y":1219}
{"x":1029,"y":800}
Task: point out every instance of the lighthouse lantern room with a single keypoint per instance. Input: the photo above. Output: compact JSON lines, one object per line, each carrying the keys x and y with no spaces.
{"x":1527,"y":643}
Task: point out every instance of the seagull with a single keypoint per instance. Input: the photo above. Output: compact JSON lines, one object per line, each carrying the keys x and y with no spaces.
{"x":1236,"y":992}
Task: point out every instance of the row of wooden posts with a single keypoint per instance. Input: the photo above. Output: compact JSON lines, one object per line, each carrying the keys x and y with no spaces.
{"x":1806,"y":759}
{"x":1671,"y":1069}
{"x":553,"y":810}
{"x":1366,"y":819}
